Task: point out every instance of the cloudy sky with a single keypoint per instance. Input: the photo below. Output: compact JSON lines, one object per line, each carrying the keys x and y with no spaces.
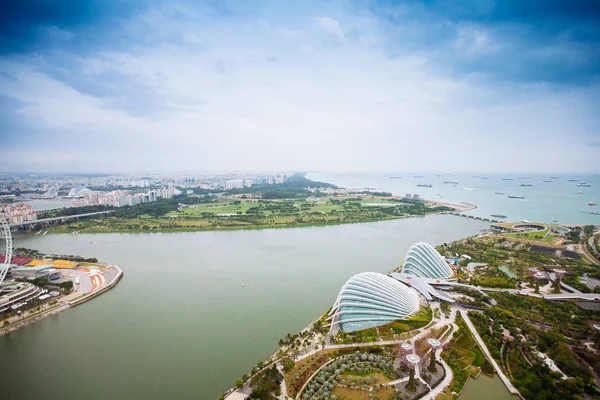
{"x":107,"y":86}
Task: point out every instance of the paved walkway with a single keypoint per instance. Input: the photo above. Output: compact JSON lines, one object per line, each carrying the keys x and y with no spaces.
{"x":511,"y":388}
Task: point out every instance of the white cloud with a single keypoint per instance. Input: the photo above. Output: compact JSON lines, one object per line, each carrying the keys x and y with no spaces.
{"x":351,"y":107}
{"x":330,"y":29}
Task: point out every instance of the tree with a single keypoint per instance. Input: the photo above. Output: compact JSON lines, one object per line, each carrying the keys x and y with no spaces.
{"x":239,"y":384}
{"x":588,"y":230}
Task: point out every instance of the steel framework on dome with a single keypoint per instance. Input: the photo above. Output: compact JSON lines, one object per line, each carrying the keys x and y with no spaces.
{"x":422,"y":260}
{"x":9,"y":249}
{"x":371,"y":299}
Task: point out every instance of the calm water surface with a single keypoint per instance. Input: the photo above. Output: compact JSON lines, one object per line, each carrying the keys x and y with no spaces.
{"x":180,"y":325}
{"x":487,"y":388}
{"x":558,"y":199}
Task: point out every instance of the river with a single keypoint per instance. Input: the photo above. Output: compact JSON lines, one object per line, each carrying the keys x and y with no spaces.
{"x":180,"y":325}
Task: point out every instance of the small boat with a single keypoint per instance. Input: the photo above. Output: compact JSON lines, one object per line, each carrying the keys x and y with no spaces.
{"x":509,"y":179}
{"x":580,"y":192}
{"x":425,"y":185}
{"x":591,"y":203}
{"x":499,"y":215}
{"x":418,"y":176}
{"x":511,"y":196}
{"x":468,"y":189}
{"x":526,"y":184}
{"x":547,"y":181}
{"x":37,"y":233}
{"x":451,"y":182}
{"x":583,"y":184}
{"x":46,"y":231}
{"x":243,"y":285}
{"x":498,"y":193}
{"x":573,"y":180}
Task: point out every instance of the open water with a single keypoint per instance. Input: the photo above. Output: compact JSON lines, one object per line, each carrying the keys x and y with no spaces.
{"x":551,"y":198}
{"x":180,"y":325}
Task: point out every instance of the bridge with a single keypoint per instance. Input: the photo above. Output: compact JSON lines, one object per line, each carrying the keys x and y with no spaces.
{"x":48,"y":220}
{"x":495,"y":221}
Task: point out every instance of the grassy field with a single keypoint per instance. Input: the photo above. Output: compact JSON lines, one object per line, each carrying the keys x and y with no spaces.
{"x":358,"y":394}
{"x":542,"y":236}
{"x":251,"y":214}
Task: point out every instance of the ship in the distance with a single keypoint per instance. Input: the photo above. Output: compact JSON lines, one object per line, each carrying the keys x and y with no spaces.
{"x":451,"y":182}
{"x":499,"y":215}
{"x":512,"y":196}
{"x":425,"y":185}
{"x":526,"y":184}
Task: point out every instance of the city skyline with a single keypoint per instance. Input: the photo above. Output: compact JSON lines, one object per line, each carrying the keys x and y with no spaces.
{"x":337,"y":86}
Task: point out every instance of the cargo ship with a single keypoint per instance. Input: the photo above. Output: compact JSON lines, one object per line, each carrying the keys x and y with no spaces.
{"x":511,"y":196}
{"x":425,"y":185}
{"x":583,"y":184}
{"x":526,"y":184}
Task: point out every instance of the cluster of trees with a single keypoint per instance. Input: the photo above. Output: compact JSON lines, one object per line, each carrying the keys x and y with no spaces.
{"x":45,"y":283}
{"x":293,"y":188}
{"x":549,"y":328}
{"x":24,"y":252}
{"x":265,"y":383}
{"x":68,"y":211}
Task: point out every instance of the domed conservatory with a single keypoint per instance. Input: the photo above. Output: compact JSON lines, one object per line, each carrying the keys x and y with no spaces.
{"x":423,"y":261}
{"x":372,"y":299}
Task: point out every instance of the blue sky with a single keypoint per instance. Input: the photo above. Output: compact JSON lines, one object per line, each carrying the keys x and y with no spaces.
{"x":494,"y":86}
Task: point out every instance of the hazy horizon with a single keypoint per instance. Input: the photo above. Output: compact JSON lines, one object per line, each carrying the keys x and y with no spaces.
{"x":361,"y":85}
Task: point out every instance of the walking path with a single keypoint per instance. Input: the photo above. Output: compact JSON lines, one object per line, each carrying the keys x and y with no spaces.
{"x":511,"y":388}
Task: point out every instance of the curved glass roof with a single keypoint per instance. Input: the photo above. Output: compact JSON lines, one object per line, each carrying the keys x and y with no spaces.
{"x":371,"y":299}
{"x":424,"y":261}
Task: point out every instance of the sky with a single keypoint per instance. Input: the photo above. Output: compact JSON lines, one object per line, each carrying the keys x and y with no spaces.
{"x":338,"y":85}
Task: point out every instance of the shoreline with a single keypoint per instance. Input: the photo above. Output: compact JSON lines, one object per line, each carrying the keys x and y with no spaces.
{"x":457,"y":208}
{"x":63,"y":305}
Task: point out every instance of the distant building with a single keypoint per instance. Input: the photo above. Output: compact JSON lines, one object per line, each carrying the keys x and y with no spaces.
{"x":18,"y":213}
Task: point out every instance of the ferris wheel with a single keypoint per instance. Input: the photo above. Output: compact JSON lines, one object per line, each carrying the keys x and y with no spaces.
{"x":9,"y":249}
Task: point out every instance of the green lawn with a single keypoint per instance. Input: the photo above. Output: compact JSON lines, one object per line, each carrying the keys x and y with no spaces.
{"x":540,"y":235}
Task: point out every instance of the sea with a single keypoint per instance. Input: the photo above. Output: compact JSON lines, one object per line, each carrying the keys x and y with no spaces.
{"x":547,"y":198}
